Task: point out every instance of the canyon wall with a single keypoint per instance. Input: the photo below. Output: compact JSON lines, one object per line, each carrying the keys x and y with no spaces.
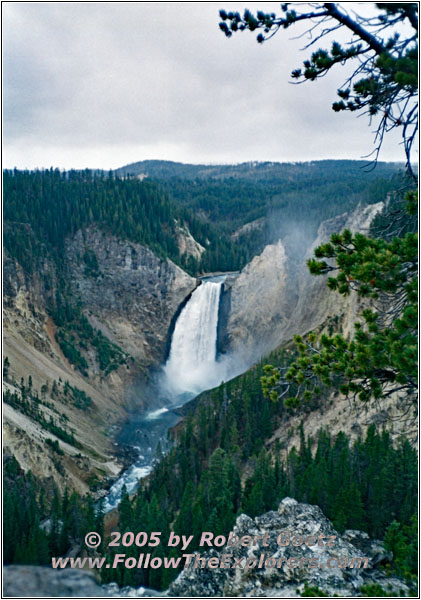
{"x":131,"y":299}
{"x":275,"y":296}
{"x":135,"y":295}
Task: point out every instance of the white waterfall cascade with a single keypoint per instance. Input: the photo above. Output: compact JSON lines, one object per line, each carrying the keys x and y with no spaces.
{"x":191,"y":366}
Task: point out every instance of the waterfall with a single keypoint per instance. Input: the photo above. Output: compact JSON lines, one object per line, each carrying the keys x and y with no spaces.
{"x":190,"y":369}
{"x":192,"y":366}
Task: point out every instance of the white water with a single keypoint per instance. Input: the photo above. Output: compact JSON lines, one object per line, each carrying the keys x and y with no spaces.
{"x":130,"y":479}
{"x":192,"y":366}
{"x":156,"y":414}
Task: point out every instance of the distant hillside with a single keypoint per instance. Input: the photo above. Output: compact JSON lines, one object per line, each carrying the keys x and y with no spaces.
{"x":255,"y":170}
{"x":286,"y":195}
{"x":160,"y":204}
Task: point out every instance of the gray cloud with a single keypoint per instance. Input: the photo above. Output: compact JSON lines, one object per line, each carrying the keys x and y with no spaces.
{"x":104,"y":84}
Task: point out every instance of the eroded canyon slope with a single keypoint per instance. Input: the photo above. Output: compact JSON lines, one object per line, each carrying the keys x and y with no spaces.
{"x":276,"y":297}
{"x":131,"y":299}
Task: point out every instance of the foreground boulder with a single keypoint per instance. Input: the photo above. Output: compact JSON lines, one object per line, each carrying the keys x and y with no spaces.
{"x":24,"y":581}
{"x":284,"y":578}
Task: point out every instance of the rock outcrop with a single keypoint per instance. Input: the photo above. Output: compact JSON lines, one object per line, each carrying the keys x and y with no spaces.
{"x":256,"y":225}
{"x":315,"y":302}
{"x":258,"y":304}
{"x":275,"y":297}
{"x":187,"y":244}
{"x":281,"y":577}
{"x":134,"y":296}
{"x":21,"y":581}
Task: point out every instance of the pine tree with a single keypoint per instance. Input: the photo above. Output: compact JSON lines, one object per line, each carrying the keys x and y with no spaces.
{"x":6,"y":367}
{"x":125,"y":510}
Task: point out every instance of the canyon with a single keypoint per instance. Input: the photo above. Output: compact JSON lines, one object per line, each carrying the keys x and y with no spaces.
{"x":134,"y":361}
{"x":132,"y":302}
{"x":135,"y":299}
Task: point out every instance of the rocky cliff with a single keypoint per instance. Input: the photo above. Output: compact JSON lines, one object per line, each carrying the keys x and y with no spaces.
{"x":275,"y":296}
{"x":286,"y":571}
{"x":134,"y":296}
{"x":131,"y":297}
{"x":256,"y":305}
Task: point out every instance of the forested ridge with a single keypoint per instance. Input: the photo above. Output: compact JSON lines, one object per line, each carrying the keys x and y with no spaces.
{"x":234,"y":195}
{"x":43,"y":208}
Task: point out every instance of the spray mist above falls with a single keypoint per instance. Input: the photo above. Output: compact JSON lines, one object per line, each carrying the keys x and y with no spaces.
{"x":192,"y":366}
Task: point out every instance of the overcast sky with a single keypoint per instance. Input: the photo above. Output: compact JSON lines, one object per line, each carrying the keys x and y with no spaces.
{"x":102,"y":85}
